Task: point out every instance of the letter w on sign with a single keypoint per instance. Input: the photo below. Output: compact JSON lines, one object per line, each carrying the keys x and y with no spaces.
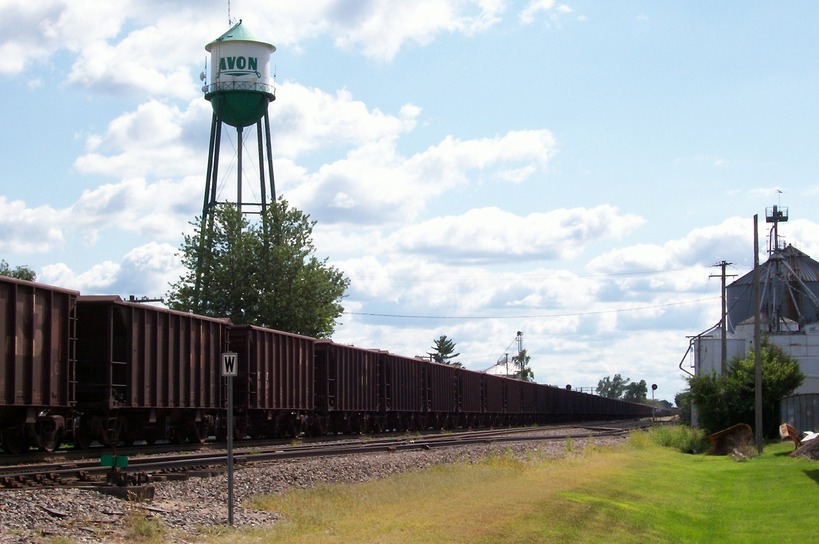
{"x":229,"y":364}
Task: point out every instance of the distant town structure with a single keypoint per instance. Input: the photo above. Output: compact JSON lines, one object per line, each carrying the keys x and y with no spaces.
{"x":240,"y":89}
{"x":505,"y":365}
{"x":789,"y":318}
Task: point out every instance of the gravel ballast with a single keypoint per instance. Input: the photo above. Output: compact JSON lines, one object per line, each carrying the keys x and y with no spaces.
{"x":191,"y":509}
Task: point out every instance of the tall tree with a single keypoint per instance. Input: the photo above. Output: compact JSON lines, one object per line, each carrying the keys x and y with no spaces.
{"x":727,"y":399}
{"x":636,"y":391}
{"x":612,"y":388}
{"x":444,"y":351}
{"x":263,"y":273}
{"x":521,"y":361}
{"x":20,"y":272}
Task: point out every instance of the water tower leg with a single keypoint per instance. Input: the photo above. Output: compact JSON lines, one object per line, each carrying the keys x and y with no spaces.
{"x":209,"y":203}
{"x":269,"y":157}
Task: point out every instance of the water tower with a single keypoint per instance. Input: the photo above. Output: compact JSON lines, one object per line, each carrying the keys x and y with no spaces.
{"x":240,"y":90}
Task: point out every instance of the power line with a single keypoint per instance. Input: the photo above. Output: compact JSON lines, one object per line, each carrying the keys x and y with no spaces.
{"x":534,"y":316}
{"x":523,"y":275}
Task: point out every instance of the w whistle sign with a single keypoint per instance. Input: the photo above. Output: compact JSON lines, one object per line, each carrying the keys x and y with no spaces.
{"x":229,"y":364}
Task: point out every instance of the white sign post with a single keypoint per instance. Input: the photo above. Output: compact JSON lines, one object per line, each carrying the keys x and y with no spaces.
{"x":229,"y":370}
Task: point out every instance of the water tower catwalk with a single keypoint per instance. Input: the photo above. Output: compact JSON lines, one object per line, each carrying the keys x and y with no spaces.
{"x":240,"y":90}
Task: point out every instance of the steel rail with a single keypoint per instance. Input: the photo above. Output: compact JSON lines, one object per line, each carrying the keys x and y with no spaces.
{"x":90,"y":473}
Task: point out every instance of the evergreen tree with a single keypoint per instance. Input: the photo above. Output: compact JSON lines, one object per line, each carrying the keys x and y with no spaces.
{"x":444,"y":351}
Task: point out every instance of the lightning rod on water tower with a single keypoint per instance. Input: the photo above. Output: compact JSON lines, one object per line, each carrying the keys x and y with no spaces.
{"x":240,"y":90}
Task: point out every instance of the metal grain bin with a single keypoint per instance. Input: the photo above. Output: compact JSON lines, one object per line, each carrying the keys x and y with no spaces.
{"x":275,"y":385}
{"x":145,"y":372}
{"x":801,"y":411}
{"x":38,"y":362}
{"x":346,"y":387}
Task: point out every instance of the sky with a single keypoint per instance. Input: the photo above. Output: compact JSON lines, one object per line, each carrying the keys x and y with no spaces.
{"x":573,"y":171}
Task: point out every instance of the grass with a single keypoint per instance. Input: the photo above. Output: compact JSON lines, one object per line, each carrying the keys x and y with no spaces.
{"x":144,"y":529}
{"x":640,"y":492}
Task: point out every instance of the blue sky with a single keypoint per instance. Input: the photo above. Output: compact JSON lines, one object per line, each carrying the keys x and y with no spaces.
{"x":477,"y":168}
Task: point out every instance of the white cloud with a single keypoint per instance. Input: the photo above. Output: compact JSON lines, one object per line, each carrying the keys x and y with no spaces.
{"x":527,"y":15}
{"x":310,"y":119}
{"x":553,"y":11}
{"x":124,"y":46}
{"x":381,"y":29}
{"x":701,"y":247}
{"x":151,"y":140}
{"x":159,"y":211}
{"x":29,"y":230}
{"x":491,"y":234}
{"x":375,"y":184}
{"x":96,"y":280}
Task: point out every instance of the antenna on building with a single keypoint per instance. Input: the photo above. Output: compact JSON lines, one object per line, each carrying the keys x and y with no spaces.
{"x":775,"y":215}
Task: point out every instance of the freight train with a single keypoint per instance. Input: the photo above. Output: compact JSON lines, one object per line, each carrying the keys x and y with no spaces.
{"x":80,"y":369}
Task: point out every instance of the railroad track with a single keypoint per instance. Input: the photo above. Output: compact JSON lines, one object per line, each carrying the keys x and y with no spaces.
{"x":144,"y":469}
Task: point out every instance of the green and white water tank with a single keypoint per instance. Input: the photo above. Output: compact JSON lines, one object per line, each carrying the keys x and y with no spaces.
{"x":240,"y":85}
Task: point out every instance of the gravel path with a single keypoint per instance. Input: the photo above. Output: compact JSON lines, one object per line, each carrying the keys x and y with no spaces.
{"x":190,"y":509}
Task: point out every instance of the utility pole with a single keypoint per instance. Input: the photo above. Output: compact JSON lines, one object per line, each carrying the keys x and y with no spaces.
{"x":757,"y":347}
{"x":723,"y":317}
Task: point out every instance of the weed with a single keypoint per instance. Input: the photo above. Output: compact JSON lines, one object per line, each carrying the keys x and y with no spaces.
{"x":680,"y":437}
{"x":60,"y":540}
{"x":143,"y":528}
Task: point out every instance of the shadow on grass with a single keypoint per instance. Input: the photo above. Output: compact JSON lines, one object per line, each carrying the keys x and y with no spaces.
{"x":813,"y":474}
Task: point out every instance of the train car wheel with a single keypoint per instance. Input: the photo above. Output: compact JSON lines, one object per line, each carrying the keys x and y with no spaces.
{"x":179,"y":435}
{"x":293,"y":428}
{"x":110,"y":437}
{"x":197,"y":432}
{"x":317,"y":427}
{"x":15,"y":440}
{"x":52,"y":443}
{"x":82,"y":437}
{"x":150,"y":437}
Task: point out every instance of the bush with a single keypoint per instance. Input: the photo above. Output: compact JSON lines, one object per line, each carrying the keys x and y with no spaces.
{"x":679,"y":437}
{"x":726,"y":399}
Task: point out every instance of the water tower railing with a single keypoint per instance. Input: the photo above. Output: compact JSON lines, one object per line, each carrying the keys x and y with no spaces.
{"x":239,"y":86}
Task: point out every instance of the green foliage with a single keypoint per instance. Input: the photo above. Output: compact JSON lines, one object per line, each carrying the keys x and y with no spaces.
{"x":144,"y":529}
{"x":20,"y":272}
{"x":612,"y":388}
{"x":263,"y":273}
{"x":636,"y":391}
{"x":444,"y":351}
{"x":728,"y":399}
{"x":680,"y":437}
{"x":521,"y":361}
{"x":683,"y":402}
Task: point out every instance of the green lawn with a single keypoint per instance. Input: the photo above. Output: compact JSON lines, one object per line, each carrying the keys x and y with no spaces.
{"x":635,"y":493}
